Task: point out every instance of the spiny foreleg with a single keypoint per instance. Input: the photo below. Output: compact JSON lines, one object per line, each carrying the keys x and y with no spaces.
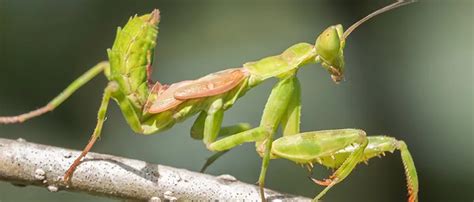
{"x":311,"y":147}
{"x":378,"y":145}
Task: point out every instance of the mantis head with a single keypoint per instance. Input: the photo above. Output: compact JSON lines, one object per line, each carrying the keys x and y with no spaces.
{"x":329,"y":48}
{"x":330,"y":44}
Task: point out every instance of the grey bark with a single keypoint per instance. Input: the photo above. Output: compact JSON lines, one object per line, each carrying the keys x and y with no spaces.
{"x":25,"y":163}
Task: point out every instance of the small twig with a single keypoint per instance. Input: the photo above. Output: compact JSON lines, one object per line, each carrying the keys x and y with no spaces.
{"x":24,"y":163}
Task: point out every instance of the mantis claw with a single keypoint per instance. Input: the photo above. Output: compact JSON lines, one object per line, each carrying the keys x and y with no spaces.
{"x":325,"y":183}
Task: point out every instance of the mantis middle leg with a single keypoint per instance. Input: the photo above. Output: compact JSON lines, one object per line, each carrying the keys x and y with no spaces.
{"x":197,"y":132}
{"x":275,"y":110}
{"x":66,"y":93}
{"x":290,"y":124}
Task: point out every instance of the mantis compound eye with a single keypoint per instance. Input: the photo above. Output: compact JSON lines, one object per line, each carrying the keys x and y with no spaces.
{"x":328,"y":44}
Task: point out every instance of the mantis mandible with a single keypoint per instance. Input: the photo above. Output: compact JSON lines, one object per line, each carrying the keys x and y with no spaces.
{"x":150,"y":107}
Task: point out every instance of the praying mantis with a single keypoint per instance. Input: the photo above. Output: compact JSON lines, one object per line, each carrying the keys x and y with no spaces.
{"x":151,"y":107}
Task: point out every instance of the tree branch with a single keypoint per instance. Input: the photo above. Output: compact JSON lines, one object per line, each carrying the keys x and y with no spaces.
{"x":24,"y":163}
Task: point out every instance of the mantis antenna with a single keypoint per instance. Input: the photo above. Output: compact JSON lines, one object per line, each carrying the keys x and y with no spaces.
{"x":375,"y":13}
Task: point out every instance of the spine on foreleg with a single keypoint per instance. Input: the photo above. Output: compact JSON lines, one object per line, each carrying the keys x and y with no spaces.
{"x":130,"y":55}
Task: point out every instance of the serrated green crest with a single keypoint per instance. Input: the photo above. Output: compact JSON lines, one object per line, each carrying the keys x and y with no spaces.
{"x":130,"y":55}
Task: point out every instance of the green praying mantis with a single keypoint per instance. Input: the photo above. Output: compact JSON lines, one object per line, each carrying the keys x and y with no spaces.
{"x":150,"y":107}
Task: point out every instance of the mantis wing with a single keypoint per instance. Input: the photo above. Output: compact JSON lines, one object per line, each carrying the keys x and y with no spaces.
{"x":212,"y":84}
{"x":165,"y":99}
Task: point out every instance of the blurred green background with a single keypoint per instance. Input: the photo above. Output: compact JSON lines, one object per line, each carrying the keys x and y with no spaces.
{"x":409,"y":75}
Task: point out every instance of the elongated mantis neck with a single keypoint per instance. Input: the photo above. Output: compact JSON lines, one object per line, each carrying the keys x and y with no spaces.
{"x":375,"y":13}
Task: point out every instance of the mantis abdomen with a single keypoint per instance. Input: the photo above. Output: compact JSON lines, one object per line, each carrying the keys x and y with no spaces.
{"x":131,"y":57}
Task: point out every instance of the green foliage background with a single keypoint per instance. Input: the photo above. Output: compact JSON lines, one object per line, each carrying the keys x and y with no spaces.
{"x":409,"y":75}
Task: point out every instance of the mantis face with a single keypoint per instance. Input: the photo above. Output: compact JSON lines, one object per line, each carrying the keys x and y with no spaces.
{"x":329,"y":47}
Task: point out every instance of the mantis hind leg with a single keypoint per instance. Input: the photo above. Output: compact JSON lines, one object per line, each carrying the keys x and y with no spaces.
{"x":66,"y":93}
{"x":97,"y":131}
